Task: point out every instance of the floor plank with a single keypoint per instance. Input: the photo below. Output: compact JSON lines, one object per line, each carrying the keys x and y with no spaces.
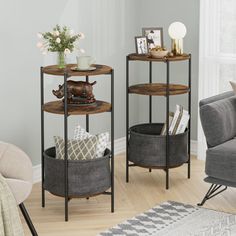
{"x":145,"y":190}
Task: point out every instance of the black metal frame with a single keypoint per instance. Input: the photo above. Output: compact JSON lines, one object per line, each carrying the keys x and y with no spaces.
{"x":190,"y":112}
{"x":167,"y":62}
{"x":42,"y":134}
{"x":127,"y":119}
{"x":212,"y":192}
{"x":27,"y":219}
{"x":66,"y":76}
{"x":167,"y":121}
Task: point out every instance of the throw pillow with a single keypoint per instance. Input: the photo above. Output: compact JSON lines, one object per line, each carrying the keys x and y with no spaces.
{"x":102,"y":143}
{"x":233,"y":85}
{"x":77,"y":149}
{"x":80,"y":133}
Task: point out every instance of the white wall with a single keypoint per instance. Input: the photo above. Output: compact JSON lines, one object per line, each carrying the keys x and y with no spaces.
{"x":109,"y":26}
{"x":162,"y":14}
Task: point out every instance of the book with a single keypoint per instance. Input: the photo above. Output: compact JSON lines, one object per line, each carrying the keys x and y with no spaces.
{"x":171,"y":116}
{"x":181,"y":110}
{"x":175,"y":119}
{"x":183,"y":123}
{"x":178,"y":121}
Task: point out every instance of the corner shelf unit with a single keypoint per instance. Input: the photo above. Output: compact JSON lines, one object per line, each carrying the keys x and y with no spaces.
{"x":140,"y":138}
{"x":65,"y":166}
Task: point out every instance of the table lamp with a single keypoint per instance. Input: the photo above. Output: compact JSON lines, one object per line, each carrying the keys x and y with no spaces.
{"x":177,"y":32}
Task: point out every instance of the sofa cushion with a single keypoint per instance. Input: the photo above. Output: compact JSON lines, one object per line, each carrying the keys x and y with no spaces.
{"x":219,"y":120}
{"x":216,"y":98}
{"x":221,"y":161}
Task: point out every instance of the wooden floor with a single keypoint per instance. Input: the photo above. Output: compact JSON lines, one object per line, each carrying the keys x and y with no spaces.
{"x":145,"y":190}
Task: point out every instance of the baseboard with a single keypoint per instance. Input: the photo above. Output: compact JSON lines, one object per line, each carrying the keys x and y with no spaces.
{"x":37,"y":173}
{"x":194,"y":147}
{"x":119,"y":146}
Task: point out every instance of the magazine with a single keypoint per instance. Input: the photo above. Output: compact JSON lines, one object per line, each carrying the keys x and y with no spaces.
{"x":178,"y":121}
{"x":183,"y":123}
{"x":171,"y":116}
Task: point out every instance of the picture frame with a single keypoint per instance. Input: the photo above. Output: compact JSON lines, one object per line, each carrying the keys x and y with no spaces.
{"x":154,"y":36}
{"x":141,"y":44}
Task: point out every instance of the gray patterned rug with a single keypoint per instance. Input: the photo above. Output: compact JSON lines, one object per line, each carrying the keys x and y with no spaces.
{"x":177,"y":219}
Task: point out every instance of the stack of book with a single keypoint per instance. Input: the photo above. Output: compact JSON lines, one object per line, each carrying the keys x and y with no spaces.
{"x":178,"y":121}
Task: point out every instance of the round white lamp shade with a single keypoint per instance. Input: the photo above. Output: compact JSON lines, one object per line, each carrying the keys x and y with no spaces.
{"x":177,"y":30}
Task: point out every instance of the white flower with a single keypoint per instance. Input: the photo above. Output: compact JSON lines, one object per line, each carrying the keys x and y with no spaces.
{"x":82,"y":50}
{"x":67,"y":51}
{"x":72,"y":32}
{"x":58,"y":40}
{"x":39,"y":44}
{"x":55,"y":33}
{"x":39,"y":35}
{"x":44,"y":52}
{"x":81,"y":35}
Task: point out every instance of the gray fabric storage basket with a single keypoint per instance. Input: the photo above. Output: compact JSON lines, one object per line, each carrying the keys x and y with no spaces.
{"x":85,"y":178}
{"x":147,"y":148}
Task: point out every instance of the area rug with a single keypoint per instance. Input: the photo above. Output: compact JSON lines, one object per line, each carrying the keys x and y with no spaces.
{"x":177,"y":219}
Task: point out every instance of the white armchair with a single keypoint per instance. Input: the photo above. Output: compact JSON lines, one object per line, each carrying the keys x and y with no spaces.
{"x":16,"y":168}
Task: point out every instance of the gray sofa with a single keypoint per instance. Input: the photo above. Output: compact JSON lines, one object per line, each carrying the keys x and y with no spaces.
{"x":218,"y":118}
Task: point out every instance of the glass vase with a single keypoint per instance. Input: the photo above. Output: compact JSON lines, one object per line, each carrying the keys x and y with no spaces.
{"x":61,"y":60}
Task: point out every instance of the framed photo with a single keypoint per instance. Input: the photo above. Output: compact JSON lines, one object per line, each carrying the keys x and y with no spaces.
{"x":154,"y":37}
{"x":141,"y":43}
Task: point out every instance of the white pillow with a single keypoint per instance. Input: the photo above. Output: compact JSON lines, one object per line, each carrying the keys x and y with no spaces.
{"x":233,"y":85}
{"x":80,"y":133}
{"x":102,"y":139}
{"x":102,"y":143}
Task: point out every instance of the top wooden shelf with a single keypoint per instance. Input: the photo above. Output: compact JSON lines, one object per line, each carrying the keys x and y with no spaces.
{"x":138,"y":57}
{"x":54,"y":70}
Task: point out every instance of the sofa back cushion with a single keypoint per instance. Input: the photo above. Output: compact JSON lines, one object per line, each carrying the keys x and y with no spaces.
{"x":218,"y":119}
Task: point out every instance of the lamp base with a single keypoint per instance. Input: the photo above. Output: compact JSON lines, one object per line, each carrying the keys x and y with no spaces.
{"x":177,"y":47}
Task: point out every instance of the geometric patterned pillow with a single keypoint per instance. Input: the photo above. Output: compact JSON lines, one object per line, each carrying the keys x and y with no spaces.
{"x":102,"y":144}
{"x":80,"y":133}
{"x":77,"y":149}
{"x":103,"y":139}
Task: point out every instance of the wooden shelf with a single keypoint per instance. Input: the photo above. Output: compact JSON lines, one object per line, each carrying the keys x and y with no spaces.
{"x":138,"y":57}
{"x":57,"y":107}
{"x":158,"y":89}
{"x":54,"y":70}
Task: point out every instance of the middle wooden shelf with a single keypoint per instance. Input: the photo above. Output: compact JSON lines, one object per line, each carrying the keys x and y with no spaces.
{"x":57,"y":107}
{"x":158,"y":89}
